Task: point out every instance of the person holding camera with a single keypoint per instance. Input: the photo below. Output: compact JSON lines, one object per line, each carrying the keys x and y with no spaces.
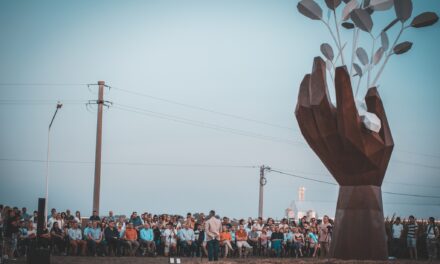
{"x":432,"y":235}
{"x":325,"y":232}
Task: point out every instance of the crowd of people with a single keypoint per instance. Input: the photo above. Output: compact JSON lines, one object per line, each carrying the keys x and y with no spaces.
{"x":196,"y":235}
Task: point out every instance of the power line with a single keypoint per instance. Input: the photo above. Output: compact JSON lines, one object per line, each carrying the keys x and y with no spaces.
{"x":134,"y":163}
{"x":335,"y":184}
{"x":398,"y":203}
{"x":201,"y":124}
{"x":38,"y":102}
{"x":232,"y":130}
{"x":416,"y":164}
{"x":42,"y":84}
{"x":205,"y":109}
{"x":385,"y":182}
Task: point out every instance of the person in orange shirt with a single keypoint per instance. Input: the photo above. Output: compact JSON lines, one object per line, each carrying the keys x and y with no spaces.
{"x":242,"y":237}
{"x":225,"y":240}
{"x":130,"y":239}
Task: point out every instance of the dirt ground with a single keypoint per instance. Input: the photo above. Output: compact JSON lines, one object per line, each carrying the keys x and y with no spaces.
{"x":162,"y":260}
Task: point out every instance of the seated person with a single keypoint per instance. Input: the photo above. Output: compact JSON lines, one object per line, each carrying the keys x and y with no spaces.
{"x":58,"y":237}
{"x":169,"y":236}
{"x":298,"y":241}
{"x":253,"y":238}
{"x":147,"y":239}
{"x":94,"y":239}
{"x":186,"y":240}
{"x":276,"y":240}
{"x":75,"y":240}
{"x":225,"y":239}
{"x":130,"y":239}
{"x":111,"y":235}
{"x":242,"y":237}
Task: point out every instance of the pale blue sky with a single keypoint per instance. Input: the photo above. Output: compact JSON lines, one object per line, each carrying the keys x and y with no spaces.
{"x":241,"y":57}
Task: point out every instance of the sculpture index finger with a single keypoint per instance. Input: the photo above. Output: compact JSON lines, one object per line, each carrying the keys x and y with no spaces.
{"x":347,"y":115}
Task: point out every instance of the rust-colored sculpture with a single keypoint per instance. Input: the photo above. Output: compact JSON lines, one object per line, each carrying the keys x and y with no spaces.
{"x":355,"y":156}
{"x":355,"y":144}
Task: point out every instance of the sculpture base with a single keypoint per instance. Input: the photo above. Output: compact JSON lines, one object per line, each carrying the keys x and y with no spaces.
{"x":359,"y":231}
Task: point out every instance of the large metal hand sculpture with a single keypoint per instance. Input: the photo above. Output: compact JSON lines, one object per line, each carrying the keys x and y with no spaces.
{"x":355,"y":156}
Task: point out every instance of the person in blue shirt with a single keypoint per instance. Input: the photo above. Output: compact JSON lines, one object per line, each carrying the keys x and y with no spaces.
{"x":186,"y":240}
{"x":147,"y":239}
{"x":94,"y":239}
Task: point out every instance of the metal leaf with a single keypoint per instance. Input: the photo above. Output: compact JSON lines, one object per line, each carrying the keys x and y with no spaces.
{"x":384,"y":40}
{"x":403,"y":9}
{"x":362,"y":19}
{"x":358,"y":69}
{"x":381,"y":5}
{"x":369,"y":10}
{"x":353,"y":4}
{"x":402,"y":47}
{"x":347,"y":25}
{"x":391,"y":24}
{"x":378,"y":55}
{"x":424,"y":19}
{"x":327,"y":51}
{"x":362,"y":55}
{"x":310,"y":9}
{"x":332,"y":4}
{"x":365,"y":3}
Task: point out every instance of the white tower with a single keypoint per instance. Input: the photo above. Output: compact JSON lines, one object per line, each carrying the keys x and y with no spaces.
{"x":301,"y":194}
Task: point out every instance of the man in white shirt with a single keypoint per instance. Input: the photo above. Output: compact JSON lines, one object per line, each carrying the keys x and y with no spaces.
{"x":396,"y":232}
{"x":213,"y":227}
{"x":170,"y":239}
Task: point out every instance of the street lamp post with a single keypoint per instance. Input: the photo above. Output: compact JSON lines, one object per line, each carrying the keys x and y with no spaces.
{"x":59,"y":105}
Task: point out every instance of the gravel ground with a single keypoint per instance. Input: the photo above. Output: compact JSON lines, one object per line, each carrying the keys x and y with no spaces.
{"x":162,"y":260}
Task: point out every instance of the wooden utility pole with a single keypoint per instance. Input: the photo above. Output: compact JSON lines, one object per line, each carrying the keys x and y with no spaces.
{"x":263,"y":182}
{"x":97,"y":184}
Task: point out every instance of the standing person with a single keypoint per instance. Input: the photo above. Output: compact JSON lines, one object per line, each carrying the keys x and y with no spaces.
{"x":411,"y":237}
{"x":325,"y":236}
{"x":213,"y":227}
{"x":1,"y":222}
{"x":432,"y":235}
{"x":396,"y":232}
{"x":11,"y":234}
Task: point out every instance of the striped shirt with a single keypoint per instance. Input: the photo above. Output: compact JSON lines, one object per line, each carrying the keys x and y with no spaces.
{"x":412,"y":229}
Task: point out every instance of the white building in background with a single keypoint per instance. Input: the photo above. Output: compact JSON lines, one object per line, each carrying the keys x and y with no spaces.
{"x":301,"y":207}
